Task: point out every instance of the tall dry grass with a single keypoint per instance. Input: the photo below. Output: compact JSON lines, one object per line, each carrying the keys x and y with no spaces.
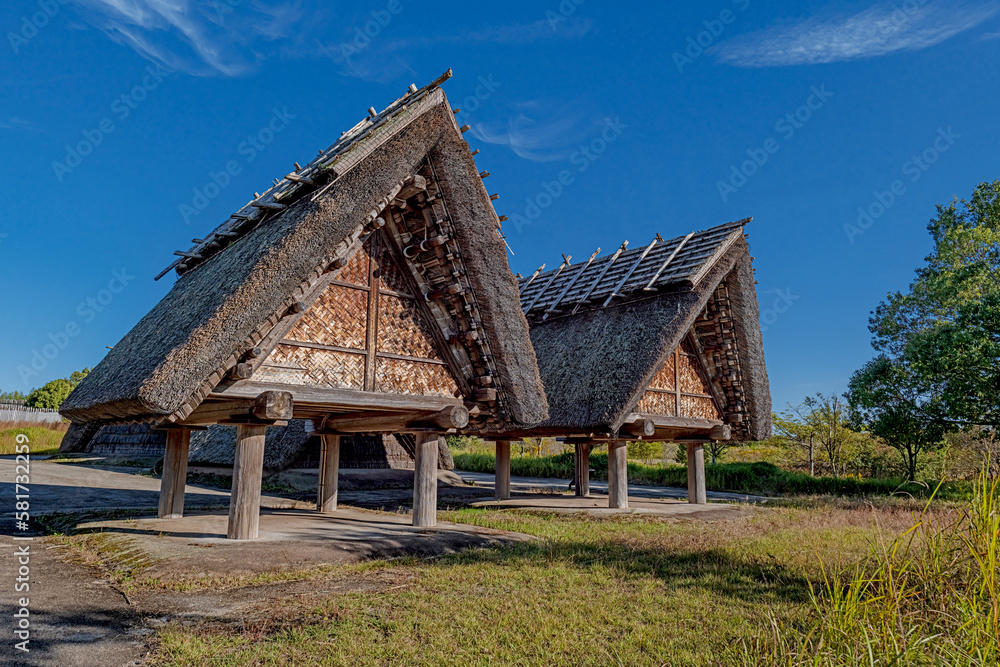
{"x":42,"y":438}
{"x":930,"y":597}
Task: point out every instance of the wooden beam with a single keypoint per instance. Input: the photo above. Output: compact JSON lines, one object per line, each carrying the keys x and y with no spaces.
{"x":248,"y":468}
{"x":449,"y":418}
{"x":425,"y":480}
{"x":642,"y":427}
{"x":312,"y":399}
{"x":617,"y":475}
{"x":175,"y":460}
{"x":268,"y":406}
{"x":502,"y":471}
{"x":329,"y":469}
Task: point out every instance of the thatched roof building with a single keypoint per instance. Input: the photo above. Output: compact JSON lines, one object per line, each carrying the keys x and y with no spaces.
{"x":668,"y":333}
{"x":375,"y":278}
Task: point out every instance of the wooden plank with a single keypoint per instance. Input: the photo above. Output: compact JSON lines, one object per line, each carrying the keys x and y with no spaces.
{"x":617,"y":475}
{"x":267,"y":406}
{"x":175,"y":460}
{"x":425,"y":480}
{"x":502,"y":471}
{"x":628,"y":274}
{"x":248,"y":468}
{"x":329,"y":469}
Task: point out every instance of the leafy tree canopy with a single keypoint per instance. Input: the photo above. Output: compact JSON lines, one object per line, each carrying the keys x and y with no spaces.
{"x":52,"y":394}
{"x":943,"y":336}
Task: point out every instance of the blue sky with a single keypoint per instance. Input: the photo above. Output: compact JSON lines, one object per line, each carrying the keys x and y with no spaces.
{"x":669,"y":117}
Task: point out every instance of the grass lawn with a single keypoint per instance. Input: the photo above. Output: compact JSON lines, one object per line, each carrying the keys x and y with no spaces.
{"x":42,"y":440}
{"x":629,"y":590}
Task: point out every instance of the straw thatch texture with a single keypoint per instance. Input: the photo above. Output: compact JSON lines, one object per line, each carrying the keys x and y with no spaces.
{"x":596,"y":364}
{"x":198,"y":330}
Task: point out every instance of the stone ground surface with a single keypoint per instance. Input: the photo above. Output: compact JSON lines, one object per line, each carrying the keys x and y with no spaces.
{"x":78,"y":618}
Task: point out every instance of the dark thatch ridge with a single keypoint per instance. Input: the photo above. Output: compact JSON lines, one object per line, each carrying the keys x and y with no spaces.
{"x":596,"y":364}
{"x":205,"y":321}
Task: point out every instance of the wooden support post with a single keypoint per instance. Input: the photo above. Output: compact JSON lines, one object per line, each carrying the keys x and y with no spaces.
{"x":696,"y":474}
{"x":425,"y":480}
{"x":175,"y":463}
{"x":329,"y":468}
{"x":617,"y":475}
{"x":248,"y":468}
{"x":502,"y":471}
{"x":582,"y":474}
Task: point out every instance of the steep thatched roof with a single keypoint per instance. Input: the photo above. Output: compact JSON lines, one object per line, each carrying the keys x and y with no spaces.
{"x":602,"y":329}
{"x":237,"y":283}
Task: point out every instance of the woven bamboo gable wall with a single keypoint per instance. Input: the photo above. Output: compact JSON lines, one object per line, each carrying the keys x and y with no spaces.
{"x":680,"y":388}
{"x":364,"y":333}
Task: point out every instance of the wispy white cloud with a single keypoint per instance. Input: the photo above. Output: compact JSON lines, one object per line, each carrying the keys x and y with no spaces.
{"x":198,"y":38}
{"x":12,"y":123}
{"x":881,"y":30}
{"x":539,"y":130}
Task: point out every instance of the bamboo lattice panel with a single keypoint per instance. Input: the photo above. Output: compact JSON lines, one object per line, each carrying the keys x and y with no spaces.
{"x":389,"y":274}
{"x":401,"y":329}
{"x":288,"y":364}
{"x":338,"y":317}
{"x":398,"y":376}
{"x":356,"y":270}
{"x":658,"y":403}
{"x":690,"y":373}
{"x":664,"y":378}
{"x":699,"y":406}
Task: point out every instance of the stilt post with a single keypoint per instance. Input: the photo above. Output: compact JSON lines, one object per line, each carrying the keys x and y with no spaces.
{"x":617,"y":475}
{"x":329,"y":469}
{"x":582,"y":471}
{"x":425,"y":480}
{"x":248,"y":468}
{"x":696,"y":473}
{"x":502,"y":471}
{"x":175,"y":462}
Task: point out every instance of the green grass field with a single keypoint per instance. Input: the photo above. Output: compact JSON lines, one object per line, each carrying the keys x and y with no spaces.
{"x":844,"y":584}
{"x":42,"y":440}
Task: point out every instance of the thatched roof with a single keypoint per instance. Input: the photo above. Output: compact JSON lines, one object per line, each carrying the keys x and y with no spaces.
{"x":602,"y":329}
{"x":238,"y":283}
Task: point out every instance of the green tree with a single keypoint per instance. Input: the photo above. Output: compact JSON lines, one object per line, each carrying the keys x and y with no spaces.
{"x":888,"y":400}
{"x":945,"y":332}
{"x":52,"y":394}
{"x":643,"y":450}
{"x":798,"y":430}
{"x":12,"y":396}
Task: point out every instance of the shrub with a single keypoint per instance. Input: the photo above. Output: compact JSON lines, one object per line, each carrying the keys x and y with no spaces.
{"x":749,"y":478}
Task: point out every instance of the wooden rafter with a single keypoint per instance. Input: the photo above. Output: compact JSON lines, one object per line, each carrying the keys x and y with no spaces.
{"x":597,"y":281}
{"x":628,"y":274}
{"x":569,"y":285}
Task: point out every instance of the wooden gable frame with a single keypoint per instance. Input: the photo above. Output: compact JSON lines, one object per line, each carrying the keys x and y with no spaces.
{"x":390,"y":325}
